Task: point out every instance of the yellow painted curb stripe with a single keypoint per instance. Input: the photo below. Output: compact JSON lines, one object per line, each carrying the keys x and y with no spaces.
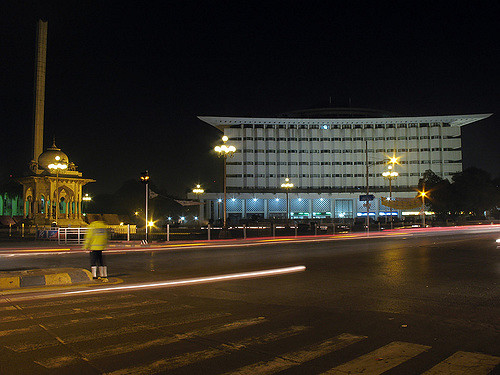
{"x":88,"y":273}
{"x":57,"y":288}
{"x":41,"y":250}
{"x":10,"y":282}
{"x":279,"y":240}
{"x":57,"y":279}
{"x":62,"y":278}
{"x":184,"y":244}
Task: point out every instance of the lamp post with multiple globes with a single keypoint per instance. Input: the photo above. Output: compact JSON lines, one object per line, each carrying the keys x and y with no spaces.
{"x":225,"y":151}
{"x":57,"y":166}
{"x":198,"y":190}
{"x":287,"y":185}
{"x":86,"y":198}
{"x":390,"y":175}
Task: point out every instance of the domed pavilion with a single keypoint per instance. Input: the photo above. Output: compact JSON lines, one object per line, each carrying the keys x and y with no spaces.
{"x":53,"y":194}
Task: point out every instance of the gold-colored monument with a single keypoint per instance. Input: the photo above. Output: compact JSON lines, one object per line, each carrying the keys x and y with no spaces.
{"x":53,"y":191}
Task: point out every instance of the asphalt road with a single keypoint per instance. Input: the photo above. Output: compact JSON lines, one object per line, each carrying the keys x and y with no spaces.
{"x":393,"y":305}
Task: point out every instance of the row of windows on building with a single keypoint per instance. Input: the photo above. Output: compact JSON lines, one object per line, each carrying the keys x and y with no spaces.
{"x":347,"y":151}
{"x":378,"y":162}
{"x":343,"y":139}
{"x":338,"y":126}
{"x":314,"y":175}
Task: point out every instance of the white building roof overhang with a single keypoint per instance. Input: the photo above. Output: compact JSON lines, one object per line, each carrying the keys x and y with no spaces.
{"x":454,"y":120}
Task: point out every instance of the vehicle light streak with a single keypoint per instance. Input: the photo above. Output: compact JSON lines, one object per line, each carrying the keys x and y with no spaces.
{"x":198,"y":280}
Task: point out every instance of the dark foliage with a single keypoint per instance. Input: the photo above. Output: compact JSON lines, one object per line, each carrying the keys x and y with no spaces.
{"x":471,"y":194}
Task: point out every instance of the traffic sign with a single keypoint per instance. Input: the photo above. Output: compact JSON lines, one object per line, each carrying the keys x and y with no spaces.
{"x":366,"y":197}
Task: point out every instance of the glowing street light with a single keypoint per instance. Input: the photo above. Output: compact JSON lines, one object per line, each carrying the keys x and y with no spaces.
{"x":390,"y":175}
{"x":423,"y":194}
{"x":57,"y":166}
{"x":86,"y":198}
{"x":198,"y":190}
{"x":225,"y":151}
{"x":393,"y":160}
{"x":287,"y":185}
{"x":145,"y":180}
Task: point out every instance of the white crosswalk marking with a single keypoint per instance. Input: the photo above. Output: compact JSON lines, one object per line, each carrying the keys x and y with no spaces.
{"x":297,"y":358}
{"x":23,"y":346}
{"x":85,"y":319}
{"x":116,"y":306}
{"x":18,"y":331}
{"x":464,"y":363}
{"x":380,"y":360}
{"x":129,"y":347}
{"x":201,"y":355}
{"x":7,"y":308}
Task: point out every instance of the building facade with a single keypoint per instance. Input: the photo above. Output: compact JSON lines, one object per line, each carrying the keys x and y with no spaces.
{"x":331,"y":156}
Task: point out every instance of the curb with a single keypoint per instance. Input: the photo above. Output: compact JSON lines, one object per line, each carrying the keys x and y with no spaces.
{"x":44,"y":277}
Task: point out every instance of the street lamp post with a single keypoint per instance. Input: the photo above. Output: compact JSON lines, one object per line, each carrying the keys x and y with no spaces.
{"x":86,"y":198}
{"x":423,"y":194}
{"x":58,"y":165}
{"x":198,"y":190}
{"x":390,"y":175}
{"x":287,"y":185}
{"x":225,"y":151}
{"x":145,"y":180}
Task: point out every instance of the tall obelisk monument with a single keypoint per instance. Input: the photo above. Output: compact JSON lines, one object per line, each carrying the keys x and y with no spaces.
{"x":39,"y":92}
{"x":50,"y":195}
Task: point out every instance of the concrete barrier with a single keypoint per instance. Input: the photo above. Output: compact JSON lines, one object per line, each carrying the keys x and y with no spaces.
{"x":44,"y":277}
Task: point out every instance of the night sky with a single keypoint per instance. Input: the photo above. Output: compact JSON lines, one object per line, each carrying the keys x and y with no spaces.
{"x":126,"y":80}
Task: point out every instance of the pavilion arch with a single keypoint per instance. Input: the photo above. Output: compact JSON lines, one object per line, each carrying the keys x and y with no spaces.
{"x":42,"y":204}
{"x":66,"y":196}
{"x":28,"y":203}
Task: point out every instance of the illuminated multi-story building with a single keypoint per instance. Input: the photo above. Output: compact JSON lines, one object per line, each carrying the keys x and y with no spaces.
{"x":328,"y":154}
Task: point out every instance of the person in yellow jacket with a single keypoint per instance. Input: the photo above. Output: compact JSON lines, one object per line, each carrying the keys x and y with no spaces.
{"x":96,"y":240}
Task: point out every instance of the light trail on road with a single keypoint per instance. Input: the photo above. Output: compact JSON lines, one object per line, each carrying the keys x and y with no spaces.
{"x":192,"y":281}
{"x":392,"y":233}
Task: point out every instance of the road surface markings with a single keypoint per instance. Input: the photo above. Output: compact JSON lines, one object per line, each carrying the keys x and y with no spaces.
{"x":202,"y":355}
{"x":91,"y":308}
{"x":27,"y":305}
{"x":297,"y":358}
{"x":58,"y":361}
{"x":92,"y":318}
{"x":464,"y":363}
{"x":129,"y":347}
{"x":18,"y":331}
{"x":112,"y":332}
{"x":380,"y":360}
{"x":7,"y":308}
